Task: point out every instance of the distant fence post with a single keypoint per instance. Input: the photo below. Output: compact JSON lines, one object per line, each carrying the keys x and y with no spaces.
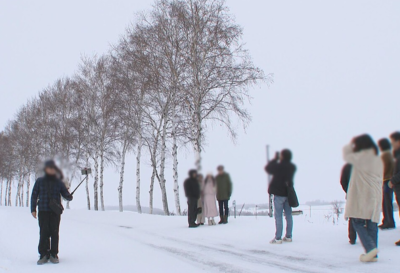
{"x":234,"y":208}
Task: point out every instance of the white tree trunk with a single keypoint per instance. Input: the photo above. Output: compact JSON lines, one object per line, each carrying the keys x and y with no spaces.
{"x":175,"y":169}
{"x":162,"y":169}
{"x":28,"y":184}
{"x":121,"y":178}
{"x":138,"y":158}
{"x":21,"y":199}
{"x":102,"y":179}
{"x":153,"y":177}
{"x":1,"y":192}
{"x":87,"y":186}
{"x":96,"y":184}
{"x":9,"y":193}
{"x":198,"y":143}
{"x":18,"y":196}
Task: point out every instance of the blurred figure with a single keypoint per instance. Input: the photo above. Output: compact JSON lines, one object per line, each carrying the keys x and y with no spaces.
{"x":224,"y":192}
{"x":210,"y":201}
{"x":200,"y":209}
{"x":46,"y":192}
{"x":395,"y":181}
{"x":192,"y":192}
{"x":388,"y":169}
{"x":344,"y":181}
{"x":282,"y":170}
{"x":364,"y":195}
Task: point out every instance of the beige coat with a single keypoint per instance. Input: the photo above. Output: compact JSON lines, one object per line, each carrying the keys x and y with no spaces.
{"x":364,"y":196}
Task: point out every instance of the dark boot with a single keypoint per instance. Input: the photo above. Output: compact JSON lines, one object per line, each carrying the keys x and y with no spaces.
{"x":398,"y":243}
{"x":43,"y":259}
{"x":225,"y":218}
{"x":221,"y":221}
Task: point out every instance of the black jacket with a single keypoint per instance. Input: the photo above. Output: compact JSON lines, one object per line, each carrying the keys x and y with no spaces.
{"x":345,"y":176}
{"x":283,"y":173}
{"x":396,"y":175}
{"x":192,"y":188}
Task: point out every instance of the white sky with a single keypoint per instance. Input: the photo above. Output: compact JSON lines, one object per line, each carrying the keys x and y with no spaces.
{"x":336,"y":66}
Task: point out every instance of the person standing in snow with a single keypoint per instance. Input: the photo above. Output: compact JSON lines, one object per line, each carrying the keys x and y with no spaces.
{"x":344,"y":181}
{"x":364,"y":196}
{"x":200,"y":209}
{"x":210,"y":201}
{"x":224,"y":192}
{"x":192,"y":192}
{"x":282,"y":170}
{"x":388,"y":169}
{"x":46,"y":192}
{"x":395,"y":181}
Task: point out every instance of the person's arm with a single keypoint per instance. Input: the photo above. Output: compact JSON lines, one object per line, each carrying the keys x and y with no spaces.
{"x":34,"y":197}
{"x":271,"y":166}
{"x":64,"y":192}
{"x":348,"y":154}
{"x":396,"y":177}
{"x":229,"y":185}
{"x":345,"y":177}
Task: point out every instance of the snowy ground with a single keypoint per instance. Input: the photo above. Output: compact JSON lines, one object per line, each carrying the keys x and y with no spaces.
{"x":127,"y":242}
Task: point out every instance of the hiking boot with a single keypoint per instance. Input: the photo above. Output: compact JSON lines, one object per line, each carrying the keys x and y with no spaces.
{"x":275,"y":242}
{"x":193,"y":226}
{"x":287,"y":240}
{"x":370,"y":256}
{"x":43,"y":260}
{"x":352,"y":242}
{"x":54,"y":259}
{"x":221,"y":221}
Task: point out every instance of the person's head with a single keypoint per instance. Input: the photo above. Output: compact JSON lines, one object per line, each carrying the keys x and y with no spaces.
{"x":395,"y":139}
{"x":193,"y":174}
{"x":286,"y":155}
{"x":220,"y":169}
{"x":384,"y":145}
{"x":364,"y":142}
{"x":50,"y":168}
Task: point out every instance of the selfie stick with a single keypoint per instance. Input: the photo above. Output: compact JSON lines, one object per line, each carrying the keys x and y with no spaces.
{"x":72,"y":193}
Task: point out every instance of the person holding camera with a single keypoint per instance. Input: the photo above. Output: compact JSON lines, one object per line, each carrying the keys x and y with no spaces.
{"x":282,"y":170}
{"x":364,"y":195}
{"x":46,"y":194}
{"x":192,"y":192}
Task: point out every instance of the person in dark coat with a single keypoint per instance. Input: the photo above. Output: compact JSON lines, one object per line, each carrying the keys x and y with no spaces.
{"x":45,"y":189}
{"x":192,"y":192}
{"x":344,"y":181}
{"x":395,"y":181}
{"x":282,"y":170}
{"x":388,"y":169}
{"x":224,"y":193}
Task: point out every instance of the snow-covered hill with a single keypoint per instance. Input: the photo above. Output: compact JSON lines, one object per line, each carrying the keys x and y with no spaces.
{"x":104,"y":242}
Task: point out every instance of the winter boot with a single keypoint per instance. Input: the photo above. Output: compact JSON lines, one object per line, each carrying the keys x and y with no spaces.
{"x":397,"y":243}
{"x":370,"y":256}
{"x":43,"y":259}
{"x":213,"y":222}
{"x":221,"y":221}
{"x":54,"y":259}
{"x":226,"y":219}
{"x":209,"y":222}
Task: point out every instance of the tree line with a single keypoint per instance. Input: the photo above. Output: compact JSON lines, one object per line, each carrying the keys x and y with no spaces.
{"x":179,"y":68}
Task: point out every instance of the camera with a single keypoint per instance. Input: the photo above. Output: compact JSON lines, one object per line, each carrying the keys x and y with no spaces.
{"x":86,"y":171}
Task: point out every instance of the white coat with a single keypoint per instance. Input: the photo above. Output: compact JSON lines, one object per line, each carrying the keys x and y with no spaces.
{"x":364,"y":195}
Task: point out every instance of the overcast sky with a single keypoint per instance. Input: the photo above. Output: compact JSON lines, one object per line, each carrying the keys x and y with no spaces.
{"x":336,"y":67}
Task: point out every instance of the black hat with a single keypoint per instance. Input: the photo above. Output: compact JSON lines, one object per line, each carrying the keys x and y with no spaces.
{"x":50,"y":164}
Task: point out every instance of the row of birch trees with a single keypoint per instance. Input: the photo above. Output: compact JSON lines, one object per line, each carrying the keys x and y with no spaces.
{"x":179,"y":68}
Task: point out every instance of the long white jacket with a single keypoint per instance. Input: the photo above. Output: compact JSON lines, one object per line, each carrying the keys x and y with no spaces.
{"x":364,"y":195}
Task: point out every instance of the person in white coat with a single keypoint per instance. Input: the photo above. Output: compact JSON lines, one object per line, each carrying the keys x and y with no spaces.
{"x":210,"y":201}
{"x":364,"y":195}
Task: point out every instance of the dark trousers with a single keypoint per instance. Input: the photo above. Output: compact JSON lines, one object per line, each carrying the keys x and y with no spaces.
{"x":387,"y":206}
{"x":223,"y":204}
{"x":352,"y":232}
{"x":192,"y":211}
{"x":367,"y":232}
{"x":49,"y":224}
{"x":397,"y":194}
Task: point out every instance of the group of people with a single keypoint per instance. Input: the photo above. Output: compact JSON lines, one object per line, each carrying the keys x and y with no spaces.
{"x":369,"y":180}
{"x":202,"y":195}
